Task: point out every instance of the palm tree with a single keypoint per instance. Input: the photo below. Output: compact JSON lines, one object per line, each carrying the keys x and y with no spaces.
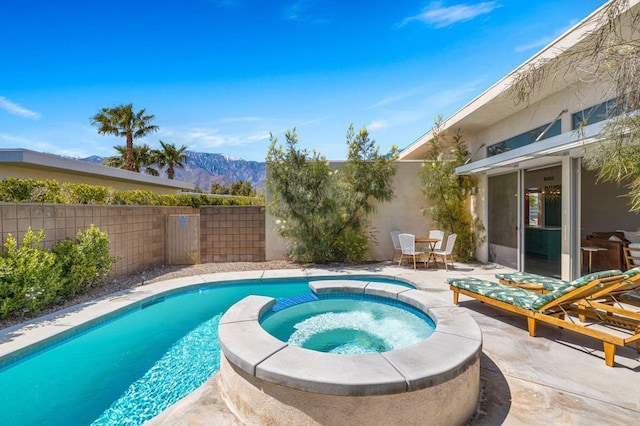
{"x":143,"y":156}
{"x":122,"y":121}
{"x":170,"y":157}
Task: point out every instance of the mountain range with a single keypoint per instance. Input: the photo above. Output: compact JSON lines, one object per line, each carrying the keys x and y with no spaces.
{"x":203,"y":169}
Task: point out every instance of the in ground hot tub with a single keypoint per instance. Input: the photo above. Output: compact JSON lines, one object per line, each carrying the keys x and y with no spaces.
{"x":265,"y":380}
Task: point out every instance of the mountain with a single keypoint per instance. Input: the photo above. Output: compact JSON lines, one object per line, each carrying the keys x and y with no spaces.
{"x":203,"y":169}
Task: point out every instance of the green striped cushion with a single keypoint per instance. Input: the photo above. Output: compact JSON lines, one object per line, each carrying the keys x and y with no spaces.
{"x":504,"y":293}
{"x":548,"y":283}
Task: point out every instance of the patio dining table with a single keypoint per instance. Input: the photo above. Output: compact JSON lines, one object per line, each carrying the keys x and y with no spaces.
{"x":431,"y":242}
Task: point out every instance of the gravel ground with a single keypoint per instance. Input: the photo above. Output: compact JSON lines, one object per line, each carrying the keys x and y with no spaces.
{"x":156,"y":274}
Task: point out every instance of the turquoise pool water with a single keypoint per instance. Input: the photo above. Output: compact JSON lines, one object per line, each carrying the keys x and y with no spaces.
{"x":129,"y":368}
{"x":349,"y":325}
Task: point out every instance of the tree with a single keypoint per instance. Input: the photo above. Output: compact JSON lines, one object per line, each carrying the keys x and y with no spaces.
{"x":447,"y":193}
{"x":170,"y":157}
{"x":323,"y":212}
{"x":122,"y":121}
{"x":143,"y":156}
{"x":609,"y":53}
{"x":218,"y":188}
{"x":241,"y":188}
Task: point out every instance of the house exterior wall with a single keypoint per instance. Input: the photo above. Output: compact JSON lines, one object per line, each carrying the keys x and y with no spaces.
{"x":403,"y":213}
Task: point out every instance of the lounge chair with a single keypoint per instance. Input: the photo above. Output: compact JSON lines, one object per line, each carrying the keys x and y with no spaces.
{"x":629,"y":294}
{"x":532,"y":282}
{"x":622,"y":301}
{"x":561,"y":307}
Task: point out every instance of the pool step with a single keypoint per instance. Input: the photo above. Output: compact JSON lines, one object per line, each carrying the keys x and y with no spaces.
{"x":286,"y":302}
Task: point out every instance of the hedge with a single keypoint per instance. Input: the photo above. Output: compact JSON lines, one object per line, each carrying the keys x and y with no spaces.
{"x":15,"y":190}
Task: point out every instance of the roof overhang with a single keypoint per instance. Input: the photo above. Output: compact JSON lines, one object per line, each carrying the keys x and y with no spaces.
{"x":537,"y":153}
{"x":36,"y":160}
{"x":497,"y":103}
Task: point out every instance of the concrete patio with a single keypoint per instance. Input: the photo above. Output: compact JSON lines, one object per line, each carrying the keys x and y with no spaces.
{"x":558,"y":377}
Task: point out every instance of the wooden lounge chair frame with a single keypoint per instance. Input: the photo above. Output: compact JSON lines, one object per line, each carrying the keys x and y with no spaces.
{"x":556,"y":312}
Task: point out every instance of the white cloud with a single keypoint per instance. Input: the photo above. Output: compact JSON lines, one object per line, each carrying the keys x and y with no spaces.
{"x":377,"y":125}
{"x":15,"y":109}
{"x":443,"y":16}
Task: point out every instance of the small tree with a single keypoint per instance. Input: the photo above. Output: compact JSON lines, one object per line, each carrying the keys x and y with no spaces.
{"x":323,"y":212}
{"x":447,"y":193}
{"x":218,"y":188}
{"x":241,"y":188}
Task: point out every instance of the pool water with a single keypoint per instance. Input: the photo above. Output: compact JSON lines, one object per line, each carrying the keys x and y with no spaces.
{"x":127,"y":369}
{"x":349,"y":325}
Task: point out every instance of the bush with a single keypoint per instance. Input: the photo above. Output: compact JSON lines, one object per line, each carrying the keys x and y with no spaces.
{"x":84,"y":261}
{"x":15,"y":190}
{"x":33,"y":278}
{"x":86,"y":194}
{"x":30,"y":276}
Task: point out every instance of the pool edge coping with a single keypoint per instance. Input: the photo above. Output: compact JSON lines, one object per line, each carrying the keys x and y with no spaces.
{"x":20,"y":340}
{"x":455,"y":346}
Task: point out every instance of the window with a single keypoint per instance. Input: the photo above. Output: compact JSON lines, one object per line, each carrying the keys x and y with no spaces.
{"x":595,"y":113}
{"x":525,"y":138}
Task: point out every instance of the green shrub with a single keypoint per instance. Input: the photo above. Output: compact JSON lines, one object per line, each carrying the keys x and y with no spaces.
{"x":86,"y":194}
{"x":14,"y":190}
{"x":85,"y":261}
{"x":30,"y":278}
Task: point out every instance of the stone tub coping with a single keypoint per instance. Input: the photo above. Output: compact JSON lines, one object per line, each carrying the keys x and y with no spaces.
{"x":455,"y":345}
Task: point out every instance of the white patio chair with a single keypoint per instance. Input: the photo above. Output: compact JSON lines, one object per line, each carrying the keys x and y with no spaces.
{"x":408,"y":249}
{"x":439,"y":235}
{"x":447,"y":252}
{"x":396,"y":244}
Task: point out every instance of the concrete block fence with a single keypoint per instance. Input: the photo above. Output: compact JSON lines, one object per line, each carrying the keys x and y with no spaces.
{"x":138,"y":234}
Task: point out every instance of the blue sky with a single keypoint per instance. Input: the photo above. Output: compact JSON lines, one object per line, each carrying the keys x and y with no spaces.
{"x":220,"y":75}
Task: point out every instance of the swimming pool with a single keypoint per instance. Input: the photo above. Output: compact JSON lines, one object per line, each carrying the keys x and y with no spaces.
{"x":129,"y":368}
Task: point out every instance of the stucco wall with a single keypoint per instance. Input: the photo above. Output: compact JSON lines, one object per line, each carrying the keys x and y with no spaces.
{"x":403,"y":213}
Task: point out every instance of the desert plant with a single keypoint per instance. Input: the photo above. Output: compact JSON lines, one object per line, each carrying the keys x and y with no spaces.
{"x":447,"y":193}
{"x":30,"y":278}
{"x":84,"y":261}
{"x":323,"y":212}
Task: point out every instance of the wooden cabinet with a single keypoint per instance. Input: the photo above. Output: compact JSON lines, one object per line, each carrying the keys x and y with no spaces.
{"x":544,"y":242}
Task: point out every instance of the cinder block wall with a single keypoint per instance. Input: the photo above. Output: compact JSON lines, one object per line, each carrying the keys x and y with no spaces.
{"x":232,"y":234}
{"x":136,"y":233}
